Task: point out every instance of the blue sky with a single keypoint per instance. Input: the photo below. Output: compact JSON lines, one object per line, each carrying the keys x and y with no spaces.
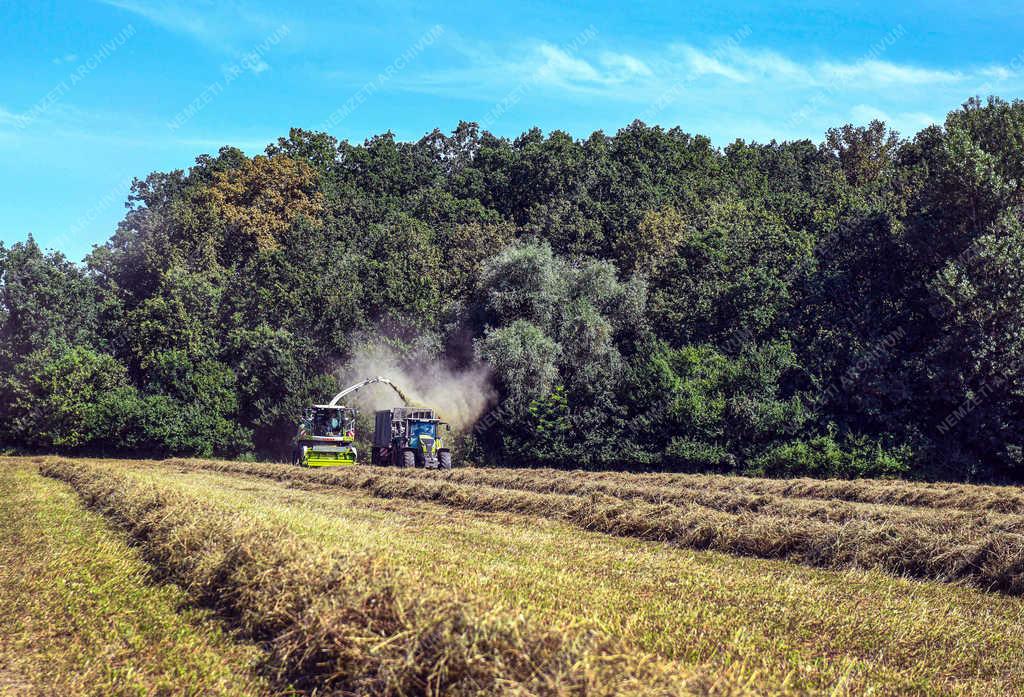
{"x":95,"y":92}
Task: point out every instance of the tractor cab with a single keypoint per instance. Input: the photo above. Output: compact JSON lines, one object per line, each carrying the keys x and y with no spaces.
{"x":325,"y":437}
{"x":422,"y":433}
{"x":410,"y":437}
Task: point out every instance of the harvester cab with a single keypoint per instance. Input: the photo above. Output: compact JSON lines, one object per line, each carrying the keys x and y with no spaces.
{"x":325,"y":437}
{"x":410,"y":437}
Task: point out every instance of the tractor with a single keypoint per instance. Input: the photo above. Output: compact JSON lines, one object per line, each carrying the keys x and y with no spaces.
{"x":409,"y":437}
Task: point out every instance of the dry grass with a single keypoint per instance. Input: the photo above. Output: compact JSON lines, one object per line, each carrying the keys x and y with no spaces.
{"x":775,"y":627}
{"x":722,"y":499}
{"x":78,"y":615}
{"x":966,"y":497}
{"x":986,"y":555}
{"x":343,"y":623}
{"x":815,"y":497}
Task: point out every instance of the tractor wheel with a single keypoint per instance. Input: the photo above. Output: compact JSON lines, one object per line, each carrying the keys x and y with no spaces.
{"x":408,"y":458}
{"x":444,"y":459}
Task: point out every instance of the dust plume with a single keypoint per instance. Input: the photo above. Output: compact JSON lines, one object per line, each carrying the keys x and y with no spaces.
{"x":459,"y":397}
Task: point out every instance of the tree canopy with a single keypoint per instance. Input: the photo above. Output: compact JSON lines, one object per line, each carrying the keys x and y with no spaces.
{"x":642,"y":300}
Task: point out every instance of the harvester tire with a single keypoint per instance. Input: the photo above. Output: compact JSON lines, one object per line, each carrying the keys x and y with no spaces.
{"x":444,"y":459}
{"x":408,"y":459}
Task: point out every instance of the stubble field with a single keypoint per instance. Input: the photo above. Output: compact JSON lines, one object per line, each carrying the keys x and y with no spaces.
{"x":208,"y":577}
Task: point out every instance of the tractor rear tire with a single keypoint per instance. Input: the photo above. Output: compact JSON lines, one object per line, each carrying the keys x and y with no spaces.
{"x":408,"y":458}
{"x":444,"y":459}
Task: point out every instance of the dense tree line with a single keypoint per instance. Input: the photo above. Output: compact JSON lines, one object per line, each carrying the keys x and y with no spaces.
{"x":645,"y":300}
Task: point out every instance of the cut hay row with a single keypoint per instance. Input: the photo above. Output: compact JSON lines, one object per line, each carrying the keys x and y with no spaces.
{"x":990,"y":559}
{"x":836,"y":511}
{"x":339,"y":624}
{"x":81,"y":616}
{"x":967,"y":497}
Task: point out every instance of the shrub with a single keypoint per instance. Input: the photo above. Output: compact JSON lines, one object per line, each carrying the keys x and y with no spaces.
{"x":824,"y":457}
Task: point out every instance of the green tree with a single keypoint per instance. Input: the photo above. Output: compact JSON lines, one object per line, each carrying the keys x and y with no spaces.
{"x":65,"y":397}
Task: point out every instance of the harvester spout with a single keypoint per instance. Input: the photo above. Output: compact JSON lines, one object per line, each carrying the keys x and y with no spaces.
{"x":369,"y":381}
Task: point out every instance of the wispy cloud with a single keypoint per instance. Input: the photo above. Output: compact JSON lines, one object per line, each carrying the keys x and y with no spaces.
{"x":906,"y":122}
{"x":10,"y":131}
{"x":998,"y":72}
{"x":625,"y":65}
{"x":762,"y":62}
{"x":745,"y":65}
{"x":630,"y":75}
{"x":877,"y":73}
{"x":226,"y":27}
{"x":487,"y":74}
{"x":698,"y":63}
{"x":174,"y":16}
{"x":9,"y":118}
{"x":66,"y":123}
{"x":558,"y":67}
{"x":730,"y":72}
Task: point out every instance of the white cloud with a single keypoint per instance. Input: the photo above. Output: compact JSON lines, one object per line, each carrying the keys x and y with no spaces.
{"x":769,"y":63}
{"x":170,"y":15}
{"x":9,"y":118}
{"x":699,"y":63}
{"x":625,"y":64}
{"x":533,"y":65}
{"x":224,"y":26}
{"x":744,"y":65}
{"x":254,"y":63}
{"x":906,"y":122}
{"x":558,"y":66}
{"x":864,"y":113}
{"x":756,"y":91}
{"x":998,"y":72}
{"x":872,"y":73}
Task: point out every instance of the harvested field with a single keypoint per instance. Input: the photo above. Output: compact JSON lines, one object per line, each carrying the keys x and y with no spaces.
{"x":967,"y":497}
{"x":984,"y":549}
{"x":79,"y":615}
{"x":348,"y":624}
{"x":408,"y":582}
{"x":681,"y":491}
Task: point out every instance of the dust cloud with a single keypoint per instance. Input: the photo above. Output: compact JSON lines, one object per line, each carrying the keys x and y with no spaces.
{"x":459,"y":397}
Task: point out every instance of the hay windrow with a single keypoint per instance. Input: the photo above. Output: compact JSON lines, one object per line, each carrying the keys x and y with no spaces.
{"x":347,"y":625}
{"x":989,"y":557}
{"x":949,"y":495}
{"x":723,"y":499}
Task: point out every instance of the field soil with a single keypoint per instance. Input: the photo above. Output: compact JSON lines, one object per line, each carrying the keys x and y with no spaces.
{"x":371,"y":580}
